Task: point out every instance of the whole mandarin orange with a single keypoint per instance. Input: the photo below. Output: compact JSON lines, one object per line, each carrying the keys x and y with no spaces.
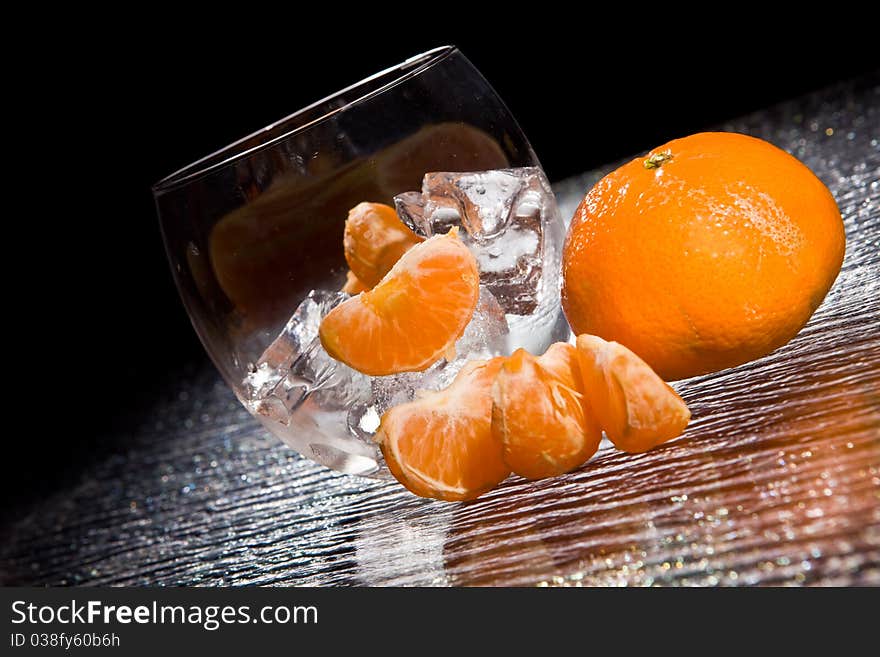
{"x":711,"y":251}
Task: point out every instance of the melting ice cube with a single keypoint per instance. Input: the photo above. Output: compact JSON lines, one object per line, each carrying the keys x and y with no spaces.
{"x":304,"y":396}
{"x":295,"y":368}
{"x":293,"y":342}
{"x":512,"y":225}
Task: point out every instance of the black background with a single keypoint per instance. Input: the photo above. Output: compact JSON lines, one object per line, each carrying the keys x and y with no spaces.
{"x":111,"y":107}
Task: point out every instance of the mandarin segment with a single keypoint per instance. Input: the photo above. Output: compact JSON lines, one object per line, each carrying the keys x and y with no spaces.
{"x":353,"y":285}
{"x":561,"y":360}
{"x":441,"y":445}
{"x":634,"y":406}
{"x":374,"y":240}
{"x":413,"y":316}
{"x":710,"y":251}
{"x":539,"y":413}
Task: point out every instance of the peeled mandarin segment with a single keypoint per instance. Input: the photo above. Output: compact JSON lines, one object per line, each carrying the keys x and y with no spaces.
{"x":561,"y":360}
{"x":353,"y":285}
{"x":413,"y":316}
{"x":374,"y":240}
{"x":539,"y":415}
{"x":634,"y":406}
{"x":441,"y":445}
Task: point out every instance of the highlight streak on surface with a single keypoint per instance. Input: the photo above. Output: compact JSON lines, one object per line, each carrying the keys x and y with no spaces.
{"x":777,"y":480}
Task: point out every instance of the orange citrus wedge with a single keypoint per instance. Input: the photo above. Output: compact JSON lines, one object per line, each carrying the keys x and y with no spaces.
{"x":635,"y":407}
{"x":374,"y":240}
{"x":413,"y":316}
{"x":353,"y":285}
{"x":441,"y":445}
{"x":539,"y":414}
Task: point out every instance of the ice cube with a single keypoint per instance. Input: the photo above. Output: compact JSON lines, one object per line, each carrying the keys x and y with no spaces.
{"x":512,"y":225}
{"x":410,"y":208}
{"x":484,"y":337}
{"x":486,"y":334}
{"x":295,"y":368}
{"x":482,"y":201}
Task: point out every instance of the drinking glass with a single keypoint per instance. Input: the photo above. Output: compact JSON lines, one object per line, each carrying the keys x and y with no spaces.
{"x":253,"y":229}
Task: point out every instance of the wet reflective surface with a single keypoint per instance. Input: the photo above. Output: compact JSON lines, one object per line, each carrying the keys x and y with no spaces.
{"x":776,"y":481}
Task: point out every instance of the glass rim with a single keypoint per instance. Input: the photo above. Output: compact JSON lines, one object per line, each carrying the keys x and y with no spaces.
{"x":408,"y":69}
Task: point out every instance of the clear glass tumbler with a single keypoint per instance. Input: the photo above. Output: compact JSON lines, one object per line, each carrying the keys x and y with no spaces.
{"x":255,"y":229}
